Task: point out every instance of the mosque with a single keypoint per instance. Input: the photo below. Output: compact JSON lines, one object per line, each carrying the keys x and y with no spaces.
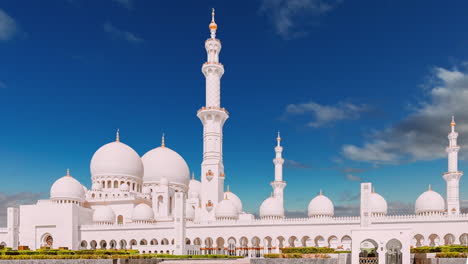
{"x":151,"y":203}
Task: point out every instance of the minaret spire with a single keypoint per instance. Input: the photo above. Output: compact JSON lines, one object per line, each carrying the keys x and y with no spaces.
{"x":163,"y":143}
{"x":453,"y":175}
{"x":213,"y":117}
{"x":117,"y":135}
{"x":278,"y":184}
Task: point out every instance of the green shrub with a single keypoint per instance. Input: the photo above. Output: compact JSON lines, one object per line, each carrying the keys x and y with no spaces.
{"x":308,"y":250}
{"x":451,"y":255}
{"x":271,"y":255}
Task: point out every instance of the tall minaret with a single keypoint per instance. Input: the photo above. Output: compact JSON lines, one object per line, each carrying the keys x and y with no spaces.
{"x":452,"y":177}
{"x":278,"y":185}
{"x":213,"y":117}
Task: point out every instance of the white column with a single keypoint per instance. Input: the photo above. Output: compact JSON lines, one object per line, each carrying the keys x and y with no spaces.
{"x":452,"y":177}
{"x":366,"y":189}
{"x":179,"y":223}
{"x":13,"y":227}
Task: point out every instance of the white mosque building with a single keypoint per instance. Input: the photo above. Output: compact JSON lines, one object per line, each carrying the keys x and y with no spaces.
{"x":151,"y":203}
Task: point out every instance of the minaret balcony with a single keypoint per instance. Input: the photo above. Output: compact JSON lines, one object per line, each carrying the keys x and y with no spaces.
{"x":222,"y":109}
{"x":453,"y":172}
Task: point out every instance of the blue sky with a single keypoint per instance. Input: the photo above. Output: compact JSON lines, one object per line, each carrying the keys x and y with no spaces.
{"x":360,"y":90}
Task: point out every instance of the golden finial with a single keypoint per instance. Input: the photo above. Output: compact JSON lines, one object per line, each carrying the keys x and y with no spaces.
{"x":321,"y":193}
{"x":453,"y":121}
{"x":226,"y":197}
{"x":163,"y":143}
{"x":429,"y":188}
{"x":278,"y":138}
{"x":68,"y":172}
{"x":193,"y":175}
{"x":213,"y":25}
{"x":117,"y":135}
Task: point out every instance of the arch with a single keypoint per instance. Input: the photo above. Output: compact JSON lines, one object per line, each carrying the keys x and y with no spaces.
{"x":368,"y":250}
{"x":93,"y":244}
{"x":83,"y":244}
{"x":220,"y":245}
{"x":255,"y":247}
{"x":231,"y":246}
{"x":143,"y":242}
{"x":153,"y":242}
{"x":172,"y":242}
{"x":103,"y":244}
{"x":346,"y":242}
{"x":305,"y":241}
{"x":3,"y":244}
{"x":197,"y":241}
{"x":319,"y":241}
{"x":47,"y":240}
{"x":123,"y":244}
{"x":449,"y":239}
{"x":164,"y":241}
{"x":113,"y":244}
{"x":434,"y":240}
{"x":293,"y":241}
{"x":133,"y":242}
{"x":417,"y":240}
{"x":464,"y":239}
{"x":187,"y":241}
{"x":333,"y":242}
{"x":109,"y":184}
{"x":267,"y":242}
{"x":244,"y":246}
{"x":120,"y":219}
{"x":116,"y":184}
{"x":394,"y":254}
{"x":281,"y":240}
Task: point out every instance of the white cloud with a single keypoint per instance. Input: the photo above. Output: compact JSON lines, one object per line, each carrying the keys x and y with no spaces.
{"x":289,"y":15}
{"x":325,"y":114}
{"x":8,"y":26}
{"x":14,"y":200}
{"x":122,"y":34}
{"x":422,"y":135}
{"x":125,"y":3}
{"x":351,"y":177}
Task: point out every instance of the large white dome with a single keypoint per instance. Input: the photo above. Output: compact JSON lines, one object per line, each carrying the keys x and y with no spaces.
{"x":104,"y":214}
{"x":195,"y":187}
{"x":67,"y":188}
{"x":226,"y":209}
{"x":234,"y":199}
{"x":142,"y":213}
{"x":377,"y":204}
{"x":163,"y":162}
{"x":271,"y":207}
{"x":321,"y":206}
{"x":430,"y":202}
{"x":116,"y":159}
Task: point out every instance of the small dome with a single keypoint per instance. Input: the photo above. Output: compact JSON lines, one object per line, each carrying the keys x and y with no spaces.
{"x":271,"y":207}
{"x":104,"y":214}
{"x":96,"y":186}
{"x":321,"y":206}
{"x":226,"y":209}
{"x":67,"y":188}
{"x":430,"y":202}
{"x":116,"y":159}
{"x":377,"y":204}
{"x":189,"y":212}
{"x":163,"y":162}
{"x":142,"y":212}
{"x":195,"y":186}
{"x":124,"y":187}
{"x":234,"y":199}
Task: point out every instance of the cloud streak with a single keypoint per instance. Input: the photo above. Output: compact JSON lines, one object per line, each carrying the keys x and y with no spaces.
{"x":14,"y":200}
{"x":326,"y":114}
{"x":422,"y":135}
{"x":121,"y":34}
{"x":8,"y":26}
{"x":288,"y":16}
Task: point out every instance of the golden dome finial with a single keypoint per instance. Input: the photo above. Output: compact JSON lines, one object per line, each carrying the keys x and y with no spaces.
{"x":163,"y":143}
{"x":213,"y":25}
{"x":226,"y":197}
{"x":117,"y":135}
{"x":193,"y":175}
{"x":429,"y":188}
{"x":453,"y":121}
{"x":228,"y":190}
{"x":68,"y":172}
{"x":321,"y":192}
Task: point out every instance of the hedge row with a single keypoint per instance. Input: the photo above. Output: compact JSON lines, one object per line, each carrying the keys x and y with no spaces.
{"x":139,"y":256}
{"x":452,"y":248}
{"x":53,"y":252}
{"x":296,"y":255}
{"x":451,"y":255}
{"x":308,"y":250}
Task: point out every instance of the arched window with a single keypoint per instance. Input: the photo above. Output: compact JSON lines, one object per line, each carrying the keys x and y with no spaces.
{"x":109,"y":184}
{"x":116,"y":184}
{"x":120,"y":219}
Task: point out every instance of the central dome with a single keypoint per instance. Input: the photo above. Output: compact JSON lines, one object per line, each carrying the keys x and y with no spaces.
{"x":163,"y":162}
{"x":320,"y":206}
{"x":116,"y":159}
